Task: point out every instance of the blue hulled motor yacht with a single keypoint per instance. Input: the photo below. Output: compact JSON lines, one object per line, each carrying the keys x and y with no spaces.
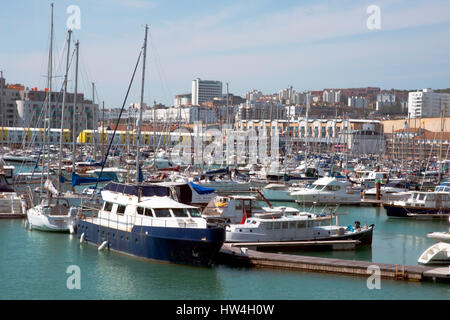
{"x":144,"y":221}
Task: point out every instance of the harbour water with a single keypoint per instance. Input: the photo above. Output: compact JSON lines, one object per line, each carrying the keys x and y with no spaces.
{"x":34,"y":266}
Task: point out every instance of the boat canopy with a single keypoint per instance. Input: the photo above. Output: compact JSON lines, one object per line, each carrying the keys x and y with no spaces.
{"x":200,"y":189}
{"x":146,"y":190}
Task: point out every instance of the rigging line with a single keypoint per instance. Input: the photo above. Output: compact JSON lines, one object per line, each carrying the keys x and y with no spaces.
{"x":118,"y":121}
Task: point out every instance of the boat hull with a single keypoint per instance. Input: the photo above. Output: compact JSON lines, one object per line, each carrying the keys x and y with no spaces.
{"x":403,"y":211}
{"x":175,"y":245}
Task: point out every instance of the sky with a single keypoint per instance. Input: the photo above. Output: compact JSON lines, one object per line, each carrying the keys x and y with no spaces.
{"x":254,"y":44}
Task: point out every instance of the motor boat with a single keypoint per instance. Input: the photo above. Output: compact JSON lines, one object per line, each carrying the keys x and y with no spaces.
{"x":328,"y":190}
{"x":144,"y":221}
{"x":432,"y":204}
{"x":293,"y":225}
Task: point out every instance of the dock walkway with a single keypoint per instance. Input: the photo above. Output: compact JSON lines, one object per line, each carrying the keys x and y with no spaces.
{"x":233,"y":255}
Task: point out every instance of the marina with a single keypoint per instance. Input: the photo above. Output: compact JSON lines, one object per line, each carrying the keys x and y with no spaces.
{"x":332,"y":194}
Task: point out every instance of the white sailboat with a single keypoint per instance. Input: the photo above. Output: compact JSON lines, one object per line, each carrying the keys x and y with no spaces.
{"x":53,"y":213}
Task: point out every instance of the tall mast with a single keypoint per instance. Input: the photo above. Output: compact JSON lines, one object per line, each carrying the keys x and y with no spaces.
{"x":49,"y":96}
{"x":228,"y":116}
{"x":94,"y":122}
{"x":443,"y":112}
{"x":306,"y":131}
{"x":141,"y":107}
{"x":69,"y":34}
{"x":103,"y":131}
{"x":74,"y":127}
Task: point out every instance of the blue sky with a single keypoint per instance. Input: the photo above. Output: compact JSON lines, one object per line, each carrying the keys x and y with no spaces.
{"x":266,"y":45}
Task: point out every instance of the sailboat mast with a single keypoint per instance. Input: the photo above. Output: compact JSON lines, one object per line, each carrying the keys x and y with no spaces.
{"x":94,"y":122}
{"x":440,"y":146}
{"x":140,"y":109}
{"x":62,"y":111}
{"x":49,"y":97}
{"x":74,"y":127}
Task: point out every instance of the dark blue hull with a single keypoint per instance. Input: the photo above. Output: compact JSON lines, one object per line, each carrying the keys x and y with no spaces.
{"x":175,"y":245}
{"x":402,"y":212}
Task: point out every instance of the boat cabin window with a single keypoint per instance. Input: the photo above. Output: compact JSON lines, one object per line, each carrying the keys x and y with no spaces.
{"x":292,"y":225}
{"x":333,"y":188}
{"x":300,"y":224}
{"x":162,"y":213}
{"x":285,"y":225}
{"x":144,"y":211}
{"x":108,"y":206}
{"x":421,"y":196}
{"x":276,"y":225}
{"x":120,"y":209}
{"x":194,"y":213}
{"x":180,"y":213}
{"x":431,"y":197}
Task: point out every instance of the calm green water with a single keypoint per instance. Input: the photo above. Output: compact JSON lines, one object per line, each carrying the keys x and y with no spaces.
{"x":33,"y":266}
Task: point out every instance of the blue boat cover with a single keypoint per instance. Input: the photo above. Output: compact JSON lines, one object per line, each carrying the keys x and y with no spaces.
{"x":77,"y":180}
{"x":200,"y":189}
{"x":146,"y":190}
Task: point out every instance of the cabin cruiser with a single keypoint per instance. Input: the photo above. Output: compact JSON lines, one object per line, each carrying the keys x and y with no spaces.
{"x":327,"y":190}
{"x":291,"y":226}
{"x":144,"y":221}
{"x":421,"y":204}
{"x":368,"y":179}
{"x":234,"y":208}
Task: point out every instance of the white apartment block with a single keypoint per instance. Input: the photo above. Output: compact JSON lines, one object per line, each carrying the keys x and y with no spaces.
{"x":182,"y":100}
{"x":427,"y":104}
{"x":331,"y":96}
{"x":205,"y":90}
{"x":358,"y":102}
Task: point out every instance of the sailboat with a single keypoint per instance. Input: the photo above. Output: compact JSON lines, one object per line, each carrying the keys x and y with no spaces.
{"x":54,"y":212}
{"x":144,"y":221}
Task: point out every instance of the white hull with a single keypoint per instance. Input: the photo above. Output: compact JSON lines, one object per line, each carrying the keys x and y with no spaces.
{"x":277,"y":195}
{"x":439,"y":253}
{"x":55,"y":223}
{"x":440,"y":236}
{"x":327,"y":198}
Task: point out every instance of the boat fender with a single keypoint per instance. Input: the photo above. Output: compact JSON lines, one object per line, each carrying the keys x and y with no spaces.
{"x":244,"y":250}
{"x":71,"y":229}
{"x":83,"y":236}
{"x":103,"y":245}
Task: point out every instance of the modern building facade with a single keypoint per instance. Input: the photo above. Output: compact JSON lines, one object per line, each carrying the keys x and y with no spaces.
{"x":205,"y":90}
{"x":427,"y":104}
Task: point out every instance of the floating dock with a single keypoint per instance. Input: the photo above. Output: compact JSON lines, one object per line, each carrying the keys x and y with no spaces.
{"x":239,"y":256}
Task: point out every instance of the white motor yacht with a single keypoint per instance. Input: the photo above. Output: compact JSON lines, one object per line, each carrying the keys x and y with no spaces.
{"x":328,"y":190}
